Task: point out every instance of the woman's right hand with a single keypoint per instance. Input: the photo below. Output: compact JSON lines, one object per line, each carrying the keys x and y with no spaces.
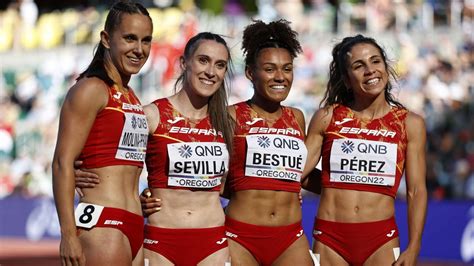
{"x":71,"y":253}
{"x":149,"y":205}
{"x":84,"y":179}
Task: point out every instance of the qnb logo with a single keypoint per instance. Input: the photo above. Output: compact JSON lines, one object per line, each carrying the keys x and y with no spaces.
{"x":467,"y":241}
{"x":347,"y":146}
{"x":113,"y":222}
{"x":263,"y":141}
{"x":134,"y":122}
{"x":185,"y":151}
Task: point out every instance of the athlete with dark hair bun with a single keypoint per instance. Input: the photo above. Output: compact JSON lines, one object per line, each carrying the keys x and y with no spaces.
{"x":263,"y":217}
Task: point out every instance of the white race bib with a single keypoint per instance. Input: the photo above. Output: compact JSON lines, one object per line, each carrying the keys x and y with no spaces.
{"x":197,"y":164}
{"x":132,"y":144}
{"x":87,"y":214}
{"x":275,"y":156}
{"x":363,"y":162}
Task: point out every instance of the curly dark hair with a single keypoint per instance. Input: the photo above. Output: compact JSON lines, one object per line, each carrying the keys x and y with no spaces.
{"x":276,"y":34}
{"x":336,"y":91}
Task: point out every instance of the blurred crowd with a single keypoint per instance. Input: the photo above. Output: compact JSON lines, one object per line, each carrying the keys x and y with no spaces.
{"x":431,"y":44}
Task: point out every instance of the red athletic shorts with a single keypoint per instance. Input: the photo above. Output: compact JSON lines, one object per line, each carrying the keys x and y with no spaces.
{"x":355,"y":242}
{"x":130,"y":224}
{"x":266,"y":243}
{"x":185,"y":247}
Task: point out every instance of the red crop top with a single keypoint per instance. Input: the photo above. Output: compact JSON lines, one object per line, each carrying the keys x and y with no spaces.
{"x":185,"y":154}
{"x":364,"y":155}
{"x":119,"y":134}
{"x":267,"y":156}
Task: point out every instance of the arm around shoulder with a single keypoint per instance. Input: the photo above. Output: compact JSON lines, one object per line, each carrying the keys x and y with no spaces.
{"x":314,"y":141}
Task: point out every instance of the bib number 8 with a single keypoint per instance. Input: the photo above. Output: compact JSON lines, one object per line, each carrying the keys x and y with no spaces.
{"x":87,"y":214}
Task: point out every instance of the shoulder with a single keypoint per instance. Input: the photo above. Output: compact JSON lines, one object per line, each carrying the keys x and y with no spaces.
{"x":298,"y":114}
{"x":88,"y":92}
{"x":324,"y":114}
{"x":415,"y":125}
{"x":152,"y":113}
{"x":90,"y":85}
{"x":241,"y":104}
{"x":232,"y":110}
{"x":414,"y":118}
{"x":321,"y":119}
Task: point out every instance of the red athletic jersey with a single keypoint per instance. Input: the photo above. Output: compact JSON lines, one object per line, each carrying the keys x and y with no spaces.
{"x":268,"y":155}
{"x":185,"y":154}
{"x":366,"y":155}
{"x":119,"y":133}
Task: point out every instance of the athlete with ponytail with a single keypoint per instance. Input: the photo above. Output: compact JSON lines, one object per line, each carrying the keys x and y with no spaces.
{"x":102,"y":123}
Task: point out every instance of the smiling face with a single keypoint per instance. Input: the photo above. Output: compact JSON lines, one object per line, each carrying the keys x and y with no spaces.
{"x":129,"y":44}
{"x":367,"y":74}
{"x":272,"y":75}
{"x":206,"y":68}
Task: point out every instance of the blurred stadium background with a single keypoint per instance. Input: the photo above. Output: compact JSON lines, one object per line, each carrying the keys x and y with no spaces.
{"x":44,"y":44}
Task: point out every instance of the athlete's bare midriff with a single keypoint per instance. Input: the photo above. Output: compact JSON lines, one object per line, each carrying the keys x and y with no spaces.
{"x":265,"y":207}
{"x":118,"y":188}
{"x":352,"y":206}
{"x":187,"y":209}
